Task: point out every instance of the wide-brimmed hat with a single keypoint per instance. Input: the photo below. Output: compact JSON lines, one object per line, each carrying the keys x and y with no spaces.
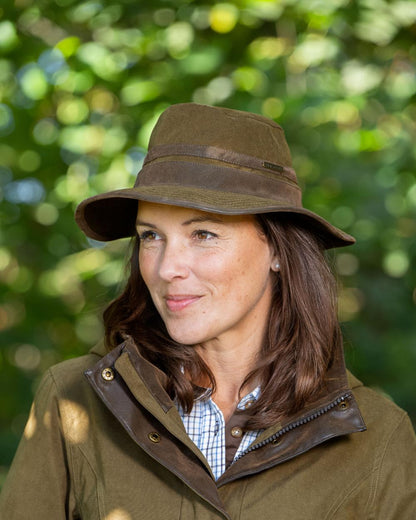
{"x":212,"y":159}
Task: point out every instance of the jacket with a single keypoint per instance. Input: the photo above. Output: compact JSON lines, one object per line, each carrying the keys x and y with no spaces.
{"x":110,"y":445}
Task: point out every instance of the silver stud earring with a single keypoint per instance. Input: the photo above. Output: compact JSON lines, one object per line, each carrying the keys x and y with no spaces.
{"x":277,"y":266}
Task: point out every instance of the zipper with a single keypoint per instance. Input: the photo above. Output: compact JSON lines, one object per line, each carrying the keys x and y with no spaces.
{"x":304,"y":420}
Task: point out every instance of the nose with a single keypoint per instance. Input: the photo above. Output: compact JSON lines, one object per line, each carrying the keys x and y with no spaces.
{"x":174,"y":261}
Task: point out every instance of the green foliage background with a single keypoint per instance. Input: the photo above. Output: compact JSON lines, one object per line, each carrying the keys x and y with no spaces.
{"x":81,"y":85}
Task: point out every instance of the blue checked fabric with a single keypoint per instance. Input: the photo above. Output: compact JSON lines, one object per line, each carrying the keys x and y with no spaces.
{"x":205,"y":426}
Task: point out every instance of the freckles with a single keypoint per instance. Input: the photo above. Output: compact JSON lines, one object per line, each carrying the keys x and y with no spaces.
{"x":147,"y":264}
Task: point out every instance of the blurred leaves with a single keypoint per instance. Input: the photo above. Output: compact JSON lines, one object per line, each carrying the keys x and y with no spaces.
{"x":81,"y":86}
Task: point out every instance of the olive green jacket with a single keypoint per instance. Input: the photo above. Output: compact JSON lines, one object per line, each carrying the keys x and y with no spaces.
{"x":111,"y":445}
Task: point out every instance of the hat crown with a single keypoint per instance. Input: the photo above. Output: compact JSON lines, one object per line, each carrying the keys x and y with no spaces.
{"x":225,"y":128}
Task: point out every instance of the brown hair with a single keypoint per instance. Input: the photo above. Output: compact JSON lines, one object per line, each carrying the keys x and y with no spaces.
{"x":298,"y":347}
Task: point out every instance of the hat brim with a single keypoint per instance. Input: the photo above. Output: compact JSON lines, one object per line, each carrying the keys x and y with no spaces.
{"x":112,"y":215}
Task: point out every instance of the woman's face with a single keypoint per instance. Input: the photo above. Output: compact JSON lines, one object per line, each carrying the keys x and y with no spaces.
{"x":209,"y":275}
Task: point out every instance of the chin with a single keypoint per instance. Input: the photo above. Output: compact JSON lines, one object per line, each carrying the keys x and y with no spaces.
{"x":186,"y":338}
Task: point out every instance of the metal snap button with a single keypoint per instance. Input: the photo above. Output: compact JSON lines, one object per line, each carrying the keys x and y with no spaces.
{"x":236,"y":431}
{"x":343,"y":405}
{"x":107,"y":374}
{"x":154,"y":437}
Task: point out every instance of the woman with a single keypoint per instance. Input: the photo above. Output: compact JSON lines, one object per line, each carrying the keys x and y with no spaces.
{"x":220,"y":391}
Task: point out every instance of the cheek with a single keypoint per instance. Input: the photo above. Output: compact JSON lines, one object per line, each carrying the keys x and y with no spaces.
{"x":220,"y":267}
{"x":231,"y":275}
{"x":254,"y":269}
{"x":146,"y":267}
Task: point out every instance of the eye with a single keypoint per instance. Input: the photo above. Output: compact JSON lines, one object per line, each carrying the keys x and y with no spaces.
{"x":149,"y":236}
{"x":202,"y":234}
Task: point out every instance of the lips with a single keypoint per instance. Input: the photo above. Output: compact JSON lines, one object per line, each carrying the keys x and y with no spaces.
{"x":177,"y":302}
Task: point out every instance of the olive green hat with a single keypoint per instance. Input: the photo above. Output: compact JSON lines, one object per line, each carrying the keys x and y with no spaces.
{"x":213,"y":159}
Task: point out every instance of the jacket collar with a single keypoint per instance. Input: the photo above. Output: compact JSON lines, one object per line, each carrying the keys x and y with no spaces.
{"x":133,"y":390}
{"x":333,"y":413}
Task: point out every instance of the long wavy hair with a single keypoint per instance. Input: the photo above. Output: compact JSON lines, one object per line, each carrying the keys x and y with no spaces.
{"x":302,"y":335}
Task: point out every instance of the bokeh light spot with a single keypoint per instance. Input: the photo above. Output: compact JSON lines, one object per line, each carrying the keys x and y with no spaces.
{"x":202,"y":61}
{"x":111,"y":273}
{"x":358,"y":78}
{"x":411,"y":195}
{"x":137,"y":91}
{"x":93,"y":54}
{"x":348,"y":142}
{"x":179,"y":38}
{"x":52,"y":62}
{"x":5,"y":258}
{"x":8,"y":35}
{"x":89,"y":329}
{"x":23,"y":281}
{"x":249,"y":79}
{"x":33,"y":82}
{"x":75,"y":184}
{"x":364,"y":229}
{"x":200,"y":17}
{"x":223,"y":17}
{"x":114,"y":140}
{"x":27,"y":357}
{"x":6,"y":120}
{"x":267,"y":48}
{"x":401,"y":84}
{"x":11,"y":314}
{"x":29,"y":161}
{"x":102,"y":101}
{"x":76,"y":82}
{"x":82,"y":139}
{"x":396,"y":263}
{"x":217,"y":90}
{"x":45,"y":131}
{"x":313,"y":51}
{"x":376,"y":25}
{"x":350,"y":302}
{"x":68,"y":46}
{"x":272,"y":107}
{"x":133,"y":160}
{"x":343,"y":216}
{"x":72,"y":111}
{"x":85,"y":11}
{"x":46,"y":214}
{"x":258,"y":10}
{"x":395,"y":204}
{"x":25,"y":191}
{"x":347,"y":264}
{"x":164,"y":17}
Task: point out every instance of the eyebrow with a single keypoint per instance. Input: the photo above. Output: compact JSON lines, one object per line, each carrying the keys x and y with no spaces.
{"x":216,"y":220}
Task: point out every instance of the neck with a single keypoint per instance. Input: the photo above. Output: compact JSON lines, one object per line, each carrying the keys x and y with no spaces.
{"x":230,"y":365}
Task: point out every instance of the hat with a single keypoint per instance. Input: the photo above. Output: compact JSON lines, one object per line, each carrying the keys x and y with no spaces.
{"x":213,"y":159}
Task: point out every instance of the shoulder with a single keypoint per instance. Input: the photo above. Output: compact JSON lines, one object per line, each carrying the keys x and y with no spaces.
{"x":71,"y":369}
{"x":388,"y":451}
{"x":378,"y":409}
{"x":389,"y":440}
{"x":66,"y":400}
{"x":66,"y":379}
